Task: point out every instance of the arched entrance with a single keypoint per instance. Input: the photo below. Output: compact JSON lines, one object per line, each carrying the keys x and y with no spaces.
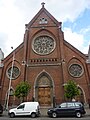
{"x":44,"y":90}
{"x":81,"y":96}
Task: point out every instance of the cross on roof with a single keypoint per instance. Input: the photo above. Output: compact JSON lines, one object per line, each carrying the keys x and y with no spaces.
{"x":42,"y":4}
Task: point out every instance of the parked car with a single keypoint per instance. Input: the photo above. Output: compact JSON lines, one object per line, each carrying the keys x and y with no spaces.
{"x":67,"y":109}
{"x":25,"y":109}
{"x":1,"y":109}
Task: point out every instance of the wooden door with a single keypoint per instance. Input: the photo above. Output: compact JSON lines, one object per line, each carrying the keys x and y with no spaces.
{"x":44,"y":96}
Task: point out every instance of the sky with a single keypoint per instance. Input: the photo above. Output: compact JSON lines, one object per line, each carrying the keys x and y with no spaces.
{"x":74,"y":15}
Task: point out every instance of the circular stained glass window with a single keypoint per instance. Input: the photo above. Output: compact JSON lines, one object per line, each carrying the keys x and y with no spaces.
{"x":43,"y":45}
{"x":13,"y":73}
{"x":75,"y":70}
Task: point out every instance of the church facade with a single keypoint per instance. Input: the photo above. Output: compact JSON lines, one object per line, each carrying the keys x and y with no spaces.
{"x":47,"y":62}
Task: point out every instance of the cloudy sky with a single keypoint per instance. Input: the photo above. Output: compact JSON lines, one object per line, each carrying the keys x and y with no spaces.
{"x":74,"y":14}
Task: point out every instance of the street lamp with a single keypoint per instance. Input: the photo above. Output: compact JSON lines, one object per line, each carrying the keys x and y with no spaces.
{"x":8,"y":93}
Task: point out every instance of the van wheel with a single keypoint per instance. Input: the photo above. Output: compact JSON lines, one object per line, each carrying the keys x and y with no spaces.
{"x":12,"y":115}
{"x":33,"y":115}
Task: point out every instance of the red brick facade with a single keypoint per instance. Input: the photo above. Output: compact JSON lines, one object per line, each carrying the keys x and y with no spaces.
{"x":47,"y":62}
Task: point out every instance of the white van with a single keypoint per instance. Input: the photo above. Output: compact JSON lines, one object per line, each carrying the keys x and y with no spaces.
{"x":24,"y":109}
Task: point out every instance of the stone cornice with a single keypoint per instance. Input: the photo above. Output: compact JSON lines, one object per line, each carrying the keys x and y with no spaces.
{"x":38,"y":65}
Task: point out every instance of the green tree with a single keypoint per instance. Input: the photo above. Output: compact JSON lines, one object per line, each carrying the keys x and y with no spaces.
{"x":22,"y":90}
{"x":71,"y":90}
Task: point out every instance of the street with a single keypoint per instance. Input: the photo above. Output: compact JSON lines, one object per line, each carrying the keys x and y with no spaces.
{"x":43,"y":118}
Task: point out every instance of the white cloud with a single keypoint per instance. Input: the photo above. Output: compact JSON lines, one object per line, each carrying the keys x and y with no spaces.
{"x":76,"y":39}
{"x":11,"y":24}
{"x":62,"y":9}
{"x":68,"y":9}
{"x":85,"y":30}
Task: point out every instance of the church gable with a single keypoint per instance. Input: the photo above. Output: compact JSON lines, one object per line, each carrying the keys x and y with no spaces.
{"x":43,"y":18}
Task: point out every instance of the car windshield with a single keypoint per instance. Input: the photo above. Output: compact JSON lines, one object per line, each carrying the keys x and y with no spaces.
{"x":78,"y":104}
{"x":63,"y":105}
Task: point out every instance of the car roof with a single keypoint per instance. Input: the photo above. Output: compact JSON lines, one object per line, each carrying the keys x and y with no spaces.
{"x":72,"y":102}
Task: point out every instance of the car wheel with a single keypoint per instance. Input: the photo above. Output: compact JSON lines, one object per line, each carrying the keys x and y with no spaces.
{"x":78,"y":114}
{"x":33,"y":115}
{"x":12,"y":115}
{"x":54,"y":114}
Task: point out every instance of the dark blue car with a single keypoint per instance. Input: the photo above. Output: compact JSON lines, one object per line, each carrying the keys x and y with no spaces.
{"x":1,"y":109}
{"x":67,"y":109}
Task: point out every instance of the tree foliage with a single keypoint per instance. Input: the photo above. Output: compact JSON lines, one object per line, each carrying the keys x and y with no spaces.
{"x":71,"y":90}
{"x":22,"y":90}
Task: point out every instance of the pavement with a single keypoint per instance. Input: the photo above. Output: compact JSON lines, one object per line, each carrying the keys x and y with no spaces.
{"x":87,"y":111}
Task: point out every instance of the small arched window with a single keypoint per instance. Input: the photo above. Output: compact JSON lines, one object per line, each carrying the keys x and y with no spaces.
{"x":43,"y":21}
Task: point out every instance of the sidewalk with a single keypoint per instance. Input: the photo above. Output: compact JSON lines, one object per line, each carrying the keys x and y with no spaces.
{"x":87,"y":111}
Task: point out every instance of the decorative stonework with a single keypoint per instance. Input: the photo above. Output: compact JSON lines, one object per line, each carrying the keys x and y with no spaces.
{"x":44,"y":81}
{"x":75,"y":70}
{"x":43,"y":45}
{"x":15,"y":72}
{"x":43,"y":21}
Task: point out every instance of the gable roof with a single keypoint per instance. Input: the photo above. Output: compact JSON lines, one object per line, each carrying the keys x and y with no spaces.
{"x":15,"y":50}
{"x":74,"y":49}
{"x":42,"y":10}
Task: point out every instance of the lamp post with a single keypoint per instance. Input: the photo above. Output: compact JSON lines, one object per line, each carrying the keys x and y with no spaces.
{"x":8,"y":93}
{"x":24,"y":63}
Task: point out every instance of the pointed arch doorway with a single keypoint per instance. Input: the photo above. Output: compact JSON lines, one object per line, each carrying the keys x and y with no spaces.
{"x":81,"y":96}
{"x":44,"y":90}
